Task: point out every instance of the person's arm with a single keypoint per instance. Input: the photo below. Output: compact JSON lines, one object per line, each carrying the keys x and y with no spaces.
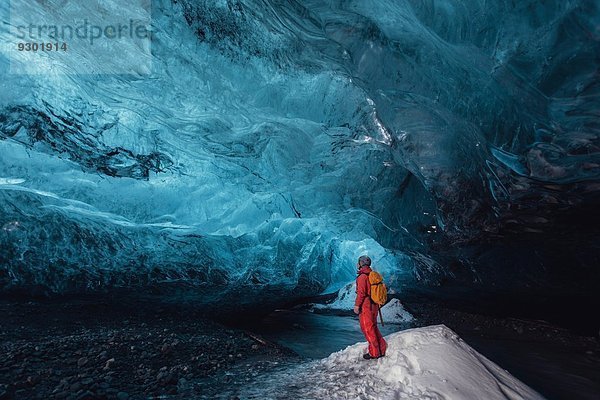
{"x":361,"y":292}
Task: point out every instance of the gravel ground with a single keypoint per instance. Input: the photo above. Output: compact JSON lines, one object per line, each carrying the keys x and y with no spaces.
{"x":99,"y":350}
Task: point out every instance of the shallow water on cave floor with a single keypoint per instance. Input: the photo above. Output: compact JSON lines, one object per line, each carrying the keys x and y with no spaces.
{"x":314,"y":335}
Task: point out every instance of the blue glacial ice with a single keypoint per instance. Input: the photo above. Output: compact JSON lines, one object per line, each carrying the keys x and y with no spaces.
{"x":274,"y":142}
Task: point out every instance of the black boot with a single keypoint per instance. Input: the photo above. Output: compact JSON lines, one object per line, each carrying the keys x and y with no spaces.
{"x":367,"y":356}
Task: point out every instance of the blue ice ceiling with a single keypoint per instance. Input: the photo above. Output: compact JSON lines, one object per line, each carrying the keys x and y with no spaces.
{"x":275,"y":141}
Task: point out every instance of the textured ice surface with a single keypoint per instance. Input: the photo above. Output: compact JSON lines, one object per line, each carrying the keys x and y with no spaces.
{"x":274,"y":142}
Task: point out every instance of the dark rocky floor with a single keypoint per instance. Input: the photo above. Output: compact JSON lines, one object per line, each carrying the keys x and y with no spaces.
{"x":97,"y":350}
{"x":100,"y":349}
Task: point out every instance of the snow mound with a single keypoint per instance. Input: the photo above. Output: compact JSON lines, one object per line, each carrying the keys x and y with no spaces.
{"x":393,"y":312}
{"x":344,"y":300}
{"x":423,"y":363}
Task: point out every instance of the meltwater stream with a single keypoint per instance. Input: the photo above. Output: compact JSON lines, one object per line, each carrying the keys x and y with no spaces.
{"x":315,"y":335}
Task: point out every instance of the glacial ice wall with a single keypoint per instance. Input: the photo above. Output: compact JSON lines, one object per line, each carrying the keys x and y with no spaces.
{"x":273,"y":142}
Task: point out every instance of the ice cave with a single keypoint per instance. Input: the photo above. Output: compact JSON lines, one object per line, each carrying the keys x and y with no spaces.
{"x":237,"y":156}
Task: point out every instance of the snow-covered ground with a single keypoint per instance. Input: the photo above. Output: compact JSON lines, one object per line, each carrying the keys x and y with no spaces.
{"x":393,"y":312}
{"x":423,"y":363}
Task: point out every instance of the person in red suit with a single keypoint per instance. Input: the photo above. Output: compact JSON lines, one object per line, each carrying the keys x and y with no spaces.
{"x":367,"y":311}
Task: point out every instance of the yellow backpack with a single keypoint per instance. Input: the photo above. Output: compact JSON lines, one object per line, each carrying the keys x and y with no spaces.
{"x":378,"y":289}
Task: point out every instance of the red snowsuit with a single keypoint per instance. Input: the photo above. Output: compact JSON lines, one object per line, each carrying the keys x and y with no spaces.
{"x":368,"y":314}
